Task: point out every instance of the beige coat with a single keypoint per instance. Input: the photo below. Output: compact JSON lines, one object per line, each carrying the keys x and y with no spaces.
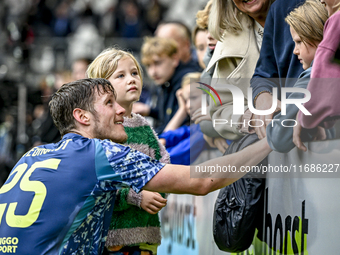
{"x":235,"y":59}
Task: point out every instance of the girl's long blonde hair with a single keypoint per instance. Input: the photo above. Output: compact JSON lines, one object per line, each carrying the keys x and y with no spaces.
{"x":106,"y":63}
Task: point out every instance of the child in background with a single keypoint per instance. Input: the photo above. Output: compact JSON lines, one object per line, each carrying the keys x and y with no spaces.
{"x":306,"y":27}
{"x":135,"y":225}
{"x":160,"y":57}
{"x":202,"y":21}
{"x":199,"y":38}
{"x":185,"y":143}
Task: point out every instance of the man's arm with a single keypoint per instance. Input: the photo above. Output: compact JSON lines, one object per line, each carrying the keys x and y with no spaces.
{"x":176,"y":178}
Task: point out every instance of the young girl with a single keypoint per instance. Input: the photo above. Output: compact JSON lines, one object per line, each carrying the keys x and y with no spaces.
{"x":135,"y":226}
{"x":324,"y":104}
{"x":306,"y":27}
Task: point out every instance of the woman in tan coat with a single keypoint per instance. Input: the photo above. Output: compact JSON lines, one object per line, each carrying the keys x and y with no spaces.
{"x":239,"y":28}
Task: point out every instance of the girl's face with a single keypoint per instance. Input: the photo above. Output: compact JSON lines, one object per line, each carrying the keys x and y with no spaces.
{"x":331,"y":6}
{"x":126,"y":82}
{"x":201,"y":45}
{"x":304,"y":51}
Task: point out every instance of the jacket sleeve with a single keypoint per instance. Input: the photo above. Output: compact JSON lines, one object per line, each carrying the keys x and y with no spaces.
{"x":277,"y":61}
{"x":222,"y":115}
{"x":280,"y":130}
{"x":266,"y":66}
{"x":208,"y":129}
{"x":173,"y":137}
{"x":226,"y":123}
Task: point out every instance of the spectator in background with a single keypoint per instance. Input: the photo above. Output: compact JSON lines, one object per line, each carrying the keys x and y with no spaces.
{"x":62,"y":22}
{"x":239,"y":27}
{"x":160,"y":57}
{"x":202,"y":20}
{"x":154,"y":13}
{"x":199,"y":37}
{"x":129,"y":19}
{"x":7,"y":150}
{"x":46,"y":131}
{"x":182,"y":35}
{"x":79,"y":67}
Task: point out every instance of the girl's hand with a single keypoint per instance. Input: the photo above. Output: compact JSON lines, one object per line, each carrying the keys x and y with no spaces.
{"x":152,"y":202}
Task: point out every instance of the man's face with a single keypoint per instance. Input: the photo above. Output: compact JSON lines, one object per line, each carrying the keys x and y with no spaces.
{"x":107,"y":121}
{"x":161,"y":68}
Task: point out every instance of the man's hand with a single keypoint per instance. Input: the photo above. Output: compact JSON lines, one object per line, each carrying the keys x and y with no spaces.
{"x":264,"y":102}
{"x":141,"y":108}
{"x":152,"y":202}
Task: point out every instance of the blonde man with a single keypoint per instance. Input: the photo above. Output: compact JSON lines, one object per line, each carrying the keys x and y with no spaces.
{"x":160,"y":57}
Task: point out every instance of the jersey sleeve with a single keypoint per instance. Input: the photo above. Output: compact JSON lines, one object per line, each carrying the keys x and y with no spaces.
{"x":130,"y":167}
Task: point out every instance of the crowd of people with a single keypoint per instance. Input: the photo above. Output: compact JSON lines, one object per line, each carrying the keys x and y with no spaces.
{"x":112,"y":148}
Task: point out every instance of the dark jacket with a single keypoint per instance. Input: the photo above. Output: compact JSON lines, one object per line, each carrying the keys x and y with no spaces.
{"x":167,"y":104}
{"x":276,"y":56}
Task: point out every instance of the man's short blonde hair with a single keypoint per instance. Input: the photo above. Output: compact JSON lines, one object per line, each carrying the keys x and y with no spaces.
{"x":157,"y":46}
{"x":106,"y":63}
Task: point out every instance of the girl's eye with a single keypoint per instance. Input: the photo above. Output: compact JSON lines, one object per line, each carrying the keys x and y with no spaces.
{"x":134,"y":73}
{"x":120,"y":76}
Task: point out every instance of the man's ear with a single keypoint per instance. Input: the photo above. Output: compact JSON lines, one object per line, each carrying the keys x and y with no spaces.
{"x":81,"y":116}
